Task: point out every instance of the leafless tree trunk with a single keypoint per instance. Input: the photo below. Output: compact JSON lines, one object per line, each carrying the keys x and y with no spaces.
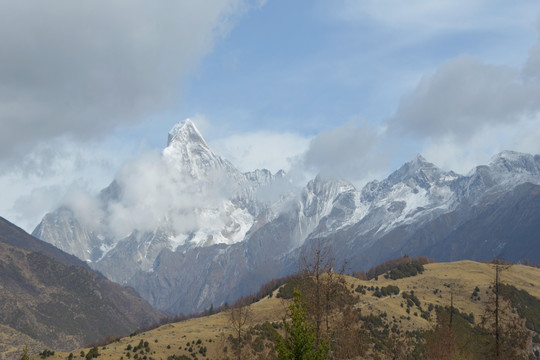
{"x":314,"y":264}
{"x":321,"y":286}
{"x":495,"y":308}
{"x":496,"y":291}
{"x":346,"y":339}
{"x":509,"y":334}
{"x":240,"y":315}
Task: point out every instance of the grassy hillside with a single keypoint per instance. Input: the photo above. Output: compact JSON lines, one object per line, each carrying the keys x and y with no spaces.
{"x":208,"y":337}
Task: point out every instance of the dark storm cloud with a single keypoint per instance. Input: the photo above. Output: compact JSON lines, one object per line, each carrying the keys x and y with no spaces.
{"x":78,"y":69}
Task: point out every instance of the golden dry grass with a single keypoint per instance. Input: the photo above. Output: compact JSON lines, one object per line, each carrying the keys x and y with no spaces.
{"x":16,"y":341}
{"x":431,"y":287}
{"x":460,"y":277}
{"x":172,"y":339}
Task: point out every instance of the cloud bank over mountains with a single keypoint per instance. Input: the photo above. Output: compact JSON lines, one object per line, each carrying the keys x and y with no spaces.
{"x":81,"y":69}
{"x":77,"y":75}
{"x":76,"y":72}
{"x":468,"y":108}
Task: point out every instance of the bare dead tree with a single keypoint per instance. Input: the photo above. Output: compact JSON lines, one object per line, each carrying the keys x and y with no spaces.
{"x":346,"y":339}
{"x":443,"y":344}
{"x":321,"y":285}
{"x":496,"y":292}
{"x":494,"y":308}
{"x":239,"y":318}
{"x":314,"y":263}
{"x":507,"y":328}
{"x":332,"y":284}
{"x":453,"y":289}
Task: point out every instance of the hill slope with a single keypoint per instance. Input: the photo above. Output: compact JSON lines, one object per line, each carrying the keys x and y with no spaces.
{"x":433,"y":286}
{"x":51,"y":299}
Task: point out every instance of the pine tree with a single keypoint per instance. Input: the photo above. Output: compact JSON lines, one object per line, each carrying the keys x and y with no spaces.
{"x":25,"y":353}
{"x":300,"y":342}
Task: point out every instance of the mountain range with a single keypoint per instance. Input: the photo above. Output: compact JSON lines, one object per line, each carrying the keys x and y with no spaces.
{"x":188,"y":230}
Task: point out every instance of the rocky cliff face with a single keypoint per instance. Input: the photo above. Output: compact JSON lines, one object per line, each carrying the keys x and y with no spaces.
{"x":217,"y":234}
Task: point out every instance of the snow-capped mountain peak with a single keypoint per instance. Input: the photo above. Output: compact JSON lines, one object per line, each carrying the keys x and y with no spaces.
{"x":186,"y":132}
{"x":413,"y":175}
{"x":189,"y":153}
{"x":509,"y":155}
{"x":507,"y":161}
{"x":418,"y":169}
{"x":213,"y":228}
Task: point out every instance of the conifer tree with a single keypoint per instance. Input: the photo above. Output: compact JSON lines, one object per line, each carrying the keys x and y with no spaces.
{"x":300,"y":342}
{"x":25,"y":353}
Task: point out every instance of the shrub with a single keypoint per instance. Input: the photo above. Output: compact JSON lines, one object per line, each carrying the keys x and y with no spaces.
{"x":411,"y":298}
{"x":361,"y":289}
{"x":46,"y":353}
{"x":528,"y":307}
{"x":405,"y":270}
{"x":386,"y":291}
{"x":92,"y":353}
{"x":258,"y":344}
{"x":286,"y":291}
{"x":393,"y":263}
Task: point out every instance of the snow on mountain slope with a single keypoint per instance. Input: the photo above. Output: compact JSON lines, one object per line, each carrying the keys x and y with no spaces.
{"x":189,"y":219}
{"x":188,"y":195}
{"x":416,"y":194}
{"x":416,"y":190}
{"x":188,"y":153}
{"x":62,"y":225}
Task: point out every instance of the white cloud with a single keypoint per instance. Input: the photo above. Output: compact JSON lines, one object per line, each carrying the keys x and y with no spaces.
{"x":261,"y":150}
{"x":429,"y":17}
{"x":75,"y":72}
{"x":467,"y":110}
{"x":80,"y":69}
{"x":153,"y":191}
{"x":395,"y":13}
{"x":464,"y":96}
{"x":28,"y":209}
{"x":71,"y":73}
{"x":44,"y":177}
{"x":85,"y":205}
{"x":351,"y":151}
{"x":462,"y":156}
{"x":531,"y":70}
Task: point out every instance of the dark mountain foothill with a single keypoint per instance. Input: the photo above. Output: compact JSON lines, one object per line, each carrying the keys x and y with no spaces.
{"x":52,"y":299}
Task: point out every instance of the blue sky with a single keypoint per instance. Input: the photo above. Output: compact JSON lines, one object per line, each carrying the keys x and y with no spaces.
{"x":294,"y":67}
{"x":343,"y":88}
{"x":300,"y":66}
